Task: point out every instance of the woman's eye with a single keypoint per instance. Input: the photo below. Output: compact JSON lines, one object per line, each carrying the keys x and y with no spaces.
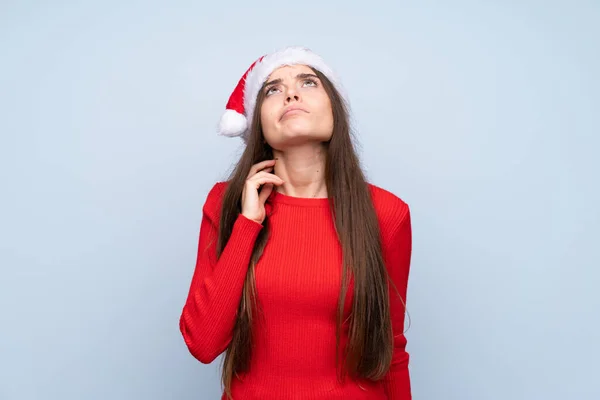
{"x":271,"y":90}
{"x":310,"y":82}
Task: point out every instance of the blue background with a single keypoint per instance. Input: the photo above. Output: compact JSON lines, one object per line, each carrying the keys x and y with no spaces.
{"x":483,"y":116}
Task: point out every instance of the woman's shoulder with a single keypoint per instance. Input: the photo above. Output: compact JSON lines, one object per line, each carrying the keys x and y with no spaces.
{"x":217,"y":190}
{"x":214,"y":198}
{"x":385,"y":196}
{"x":389,"y":206}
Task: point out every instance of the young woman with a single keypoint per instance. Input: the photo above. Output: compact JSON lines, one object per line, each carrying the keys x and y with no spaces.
{"x":302,"y":265}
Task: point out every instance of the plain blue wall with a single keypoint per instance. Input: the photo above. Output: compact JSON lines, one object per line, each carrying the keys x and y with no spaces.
{"x":483,"y":116}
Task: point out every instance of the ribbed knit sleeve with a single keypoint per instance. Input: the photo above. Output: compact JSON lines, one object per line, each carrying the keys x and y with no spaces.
{"x":209,"y":314}
{"x":398,"y":256}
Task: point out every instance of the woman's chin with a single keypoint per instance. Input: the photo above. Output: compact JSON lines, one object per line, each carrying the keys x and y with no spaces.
{"x":300,"y":136}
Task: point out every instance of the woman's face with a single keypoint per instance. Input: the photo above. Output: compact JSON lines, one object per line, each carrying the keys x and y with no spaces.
{"x":296,"y":108}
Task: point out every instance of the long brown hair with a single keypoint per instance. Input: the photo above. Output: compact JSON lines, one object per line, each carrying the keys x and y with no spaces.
{"x":369,"y":351}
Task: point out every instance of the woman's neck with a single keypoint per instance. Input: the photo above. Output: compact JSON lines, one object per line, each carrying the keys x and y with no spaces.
{"x":302,"y":169}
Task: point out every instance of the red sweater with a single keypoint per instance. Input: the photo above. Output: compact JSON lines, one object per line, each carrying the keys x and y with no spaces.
{"x":298,"y":280}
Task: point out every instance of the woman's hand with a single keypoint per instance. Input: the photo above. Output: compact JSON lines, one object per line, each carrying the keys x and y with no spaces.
{"x":253,"y":200}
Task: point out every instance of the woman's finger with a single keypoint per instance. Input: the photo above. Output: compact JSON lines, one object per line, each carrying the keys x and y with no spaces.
{"x":258,"y":166}
{"x":265,"y":192}
{"x":262,"y":174}
{"x":257,"y":181}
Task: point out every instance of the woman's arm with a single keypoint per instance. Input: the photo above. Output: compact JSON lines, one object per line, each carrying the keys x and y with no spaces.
{"x":210,"y":311}
{"x":398,"y":256}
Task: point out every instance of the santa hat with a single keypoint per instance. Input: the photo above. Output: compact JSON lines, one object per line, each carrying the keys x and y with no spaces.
{"x":238,"y":114}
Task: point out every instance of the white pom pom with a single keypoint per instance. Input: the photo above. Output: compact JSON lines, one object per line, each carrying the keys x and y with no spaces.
{"x":232,"y":124}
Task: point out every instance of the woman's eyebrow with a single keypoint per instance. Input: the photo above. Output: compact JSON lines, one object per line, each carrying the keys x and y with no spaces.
{"x":304,"y":75}
{"x":299,"y":76}
{"x":273,"y":82}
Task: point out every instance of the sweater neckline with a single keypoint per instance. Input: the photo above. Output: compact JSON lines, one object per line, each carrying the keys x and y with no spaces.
{"x":278,"y":197}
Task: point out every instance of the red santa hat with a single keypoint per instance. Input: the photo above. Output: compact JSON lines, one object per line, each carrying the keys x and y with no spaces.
{"x":238,"y":114}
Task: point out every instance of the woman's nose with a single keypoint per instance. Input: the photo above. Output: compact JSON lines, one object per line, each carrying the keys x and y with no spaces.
{"x":292,"y":96}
